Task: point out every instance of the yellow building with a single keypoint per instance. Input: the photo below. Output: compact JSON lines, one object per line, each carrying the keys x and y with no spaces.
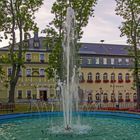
{"x":105,"y":73}
{"x":33,"y":82}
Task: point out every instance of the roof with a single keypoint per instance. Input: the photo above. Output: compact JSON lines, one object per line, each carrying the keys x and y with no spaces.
{"x":104,"y":49}
{"x":86,"y":48}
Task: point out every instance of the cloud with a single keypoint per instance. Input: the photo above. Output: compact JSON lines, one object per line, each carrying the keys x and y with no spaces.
{"x":103,"y":26}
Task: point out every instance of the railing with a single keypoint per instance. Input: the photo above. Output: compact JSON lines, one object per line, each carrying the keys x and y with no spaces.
{"x":29,"y":105}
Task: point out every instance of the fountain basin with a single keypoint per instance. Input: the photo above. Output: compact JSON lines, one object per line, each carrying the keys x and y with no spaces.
{"x":96,"y":125}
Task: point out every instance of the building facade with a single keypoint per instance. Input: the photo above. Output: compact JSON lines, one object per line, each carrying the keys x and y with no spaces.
{"x":106,"y":73}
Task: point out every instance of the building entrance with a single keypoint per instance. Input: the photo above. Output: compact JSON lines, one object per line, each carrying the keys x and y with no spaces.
{"x":43,"y":95}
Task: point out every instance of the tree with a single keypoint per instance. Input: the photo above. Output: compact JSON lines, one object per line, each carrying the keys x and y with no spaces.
{"x":129,"y":10}
{"x":17,"y":15}
{"x":54,"y":32}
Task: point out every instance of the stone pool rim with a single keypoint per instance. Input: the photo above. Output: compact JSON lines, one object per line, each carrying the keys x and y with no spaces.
{"x":83,"y":113}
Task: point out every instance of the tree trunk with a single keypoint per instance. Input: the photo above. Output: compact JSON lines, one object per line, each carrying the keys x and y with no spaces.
{"x":12,"y":93}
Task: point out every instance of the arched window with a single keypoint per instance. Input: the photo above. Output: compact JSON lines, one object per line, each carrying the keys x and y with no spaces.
{"x":81,"y":77}
{"x":105,"y":76}
{"x":120,"y":99}
{"x":127,"y":77}
{"x":97,"y":78}
{"x":112,"y":77}
{"x":98,"y":98}
{"x":89,"y":76}
{"x":120,"y":78}
{"x":105,"y":97}
{"x":135,"y":97}
{"x":113,"y":99}
{"x":90,"y":100}
{"x":127,"y":98}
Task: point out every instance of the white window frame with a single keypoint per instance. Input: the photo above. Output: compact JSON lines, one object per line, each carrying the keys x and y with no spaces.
{"x":119,"y":61}
{"x":97,"y":60}
{"x":40,"y":73}
{"x":112,"y":61}
{"x":29,"y":56}
{"x":27,"y":72}
{"x":104,"y":61}
{"x":89,"y":60}
{"x":42,"y":58}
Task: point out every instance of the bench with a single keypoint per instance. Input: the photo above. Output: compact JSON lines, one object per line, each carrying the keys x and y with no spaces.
{"x":7,"y":107}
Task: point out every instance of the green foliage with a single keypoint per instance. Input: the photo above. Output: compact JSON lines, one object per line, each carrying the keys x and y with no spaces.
{"x":129,"y":10}
{"x":54,"y":32}
{"x":17,"y":15}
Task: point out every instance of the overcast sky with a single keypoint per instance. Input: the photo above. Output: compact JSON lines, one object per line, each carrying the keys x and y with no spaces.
{"x":104,"y":26}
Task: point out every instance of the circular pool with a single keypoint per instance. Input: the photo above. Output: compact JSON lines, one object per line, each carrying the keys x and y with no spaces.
{"x":89,"y":126}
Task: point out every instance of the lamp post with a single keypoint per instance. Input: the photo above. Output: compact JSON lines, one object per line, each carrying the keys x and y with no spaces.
{"x":101,"y":93}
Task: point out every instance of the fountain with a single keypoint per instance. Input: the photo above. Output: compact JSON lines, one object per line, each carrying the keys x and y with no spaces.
{"x":96,"y":125}
{"x":69,"y":86}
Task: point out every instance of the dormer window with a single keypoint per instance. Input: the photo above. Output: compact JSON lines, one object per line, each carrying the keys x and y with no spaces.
{"x":36,"y":44}
{"x":89,"y":60}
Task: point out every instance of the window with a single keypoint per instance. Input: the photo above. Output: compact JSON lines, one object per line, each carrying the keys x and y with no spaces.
{"x":135,"y":97}
{"x":97,"y":76}
{"x":120,"y":99}
{"x":113,"y":97}
{"x":81,"y":60}
{"x":98,"y":97}
{"x":119,"y":61}
{"x":105,"y":76}
{"x":90,"y":100}
{"x":42,"y":56}
{"x":127,"y":61}
{"x":112,"y":77}
{"x":105,"y":61}
{"x":90,"y":76}
{"x":127,"y":99}
{"x":36,"y":44}
{"x":28,"y":57}
{"x":28,"y":72}
{"x":81,"y":77}
{"x":9,"y":71}
{"x":42,"y":72}
{"x":120,"y":77}
{"x":127,"y":77}
{"x":112,"y":61}
{"x":20,"y":73}
{"x":89,"y":60}
{"x":97,"y":60}
{"x":19,"y":94}
{"x":105,"y":97}
{"x":28,"y":94}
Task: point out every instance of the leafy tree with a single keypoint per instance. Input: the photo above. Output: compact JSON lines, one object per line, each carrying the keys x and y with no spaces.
{"x":129,"y":10}
{"x":17,"y":15}
{"x":83,"y":10}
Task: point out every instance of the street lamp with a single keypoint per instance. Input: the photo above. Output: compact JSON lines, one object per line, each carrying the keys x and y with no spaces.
{"x":101,"y":93}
